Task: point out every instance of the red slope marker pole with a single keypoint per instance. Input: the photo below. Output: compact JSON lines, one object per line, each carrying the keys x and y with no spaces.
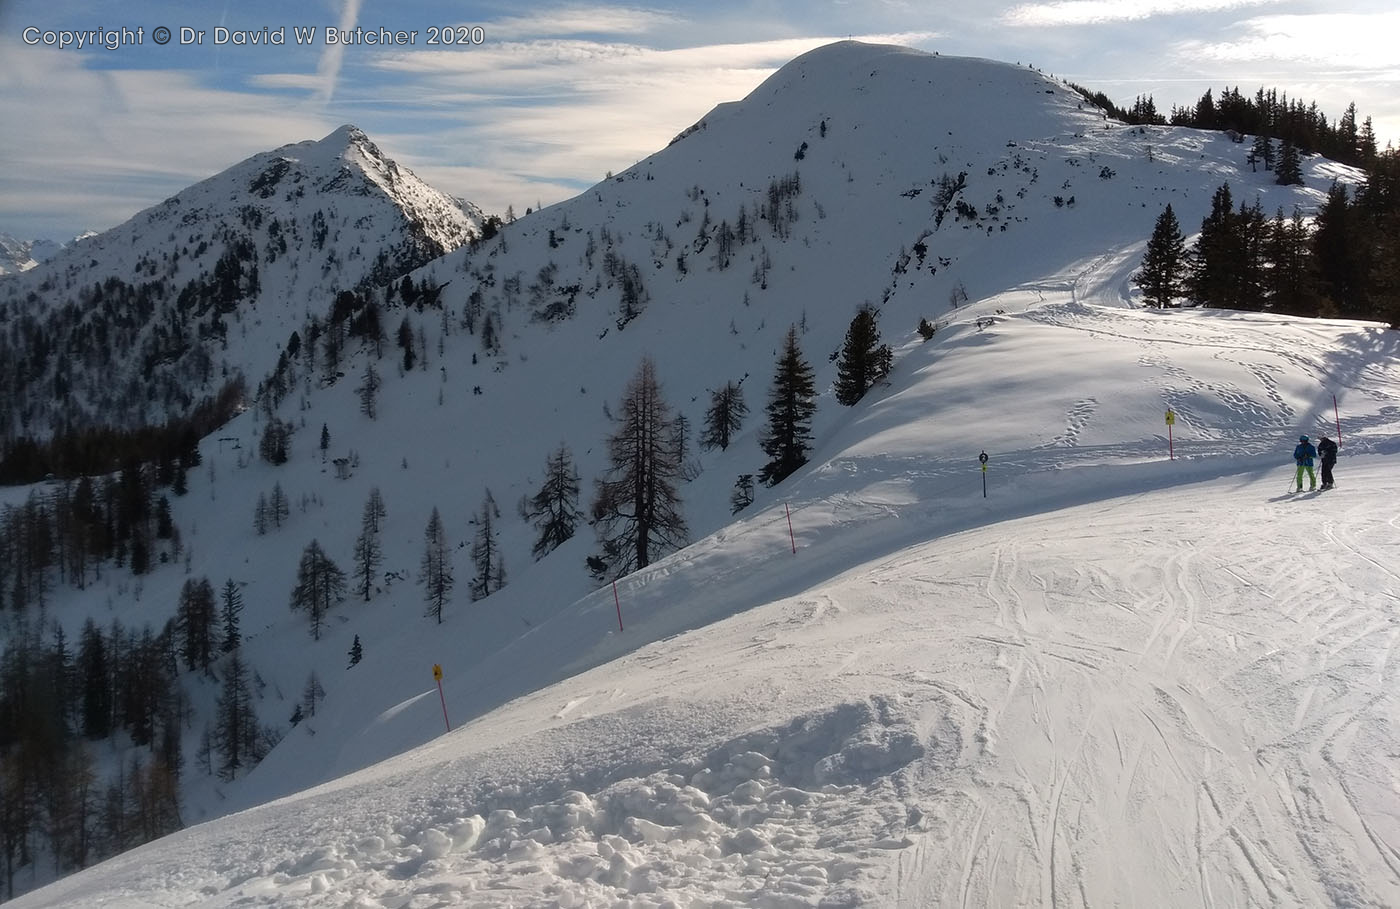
{"x":618,"y":604}
{"x":790,"y":533}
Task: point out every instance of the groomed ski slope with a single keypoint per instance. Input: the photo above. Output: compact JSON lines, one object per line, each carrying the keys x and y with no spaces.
{"x":1116,"y":680}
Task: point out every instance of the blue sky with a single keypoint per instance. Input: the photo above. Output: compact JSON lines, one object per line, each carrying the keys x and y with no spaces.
{"x":555,"y":95}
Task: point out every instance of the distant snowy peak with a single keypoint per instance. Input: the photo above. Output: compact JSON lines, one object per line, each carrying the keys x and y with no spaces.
{"x":14,"y":255}
{"x":18,"y":255}
{"x":347,"y":162}
{"x":280,"y":232}
{"x":344,"y":174}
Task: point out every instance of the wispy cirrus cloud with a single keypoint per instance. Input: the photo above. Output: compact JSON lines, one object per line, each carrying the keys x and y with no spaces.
{"x":126,"y":138}
{"x":306,"y":82}
{"x":533,"y":112}
{"x":1095,"y":12}
{"x":567,"y":21}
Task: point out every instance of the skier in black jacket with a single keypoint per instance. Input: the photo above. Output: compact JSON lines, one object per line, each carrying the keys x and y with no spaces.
{"x":1327,"y":451}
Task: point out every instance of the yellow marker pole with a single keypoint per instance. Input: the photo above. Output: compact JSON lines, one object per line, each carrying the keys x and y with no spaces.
{"x":437,"y":677}
{"x":1171,"y":421}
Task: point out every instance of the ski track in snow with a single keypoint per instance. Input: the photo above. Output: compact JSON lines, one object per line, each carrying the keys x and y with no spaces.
{"x":1183,"y":695}
{"x":1005,"y":718}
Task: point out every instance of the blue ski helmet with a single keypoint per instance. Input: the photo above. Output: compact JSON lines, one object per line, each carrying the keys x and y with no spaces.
{"x":1302,"y":438}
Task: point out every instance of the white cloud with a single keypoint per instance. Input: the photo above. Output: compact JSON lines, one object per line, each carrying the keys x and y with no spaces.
{"x":492,"y":188}
{"x":579,"y":20}
{"x":559,"y":114}
{"x":516,"y":122}
{"x":1334,"y":59}
{"x":1093,"y":12}
{"x":299,"y":81}
{"x":1354,"y":41}
{"x":96,"y":146}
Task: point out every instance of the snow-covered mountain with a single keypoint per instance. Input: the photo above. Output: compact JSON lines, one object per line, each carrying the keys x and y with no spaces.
{"x":18,"y":255}
{"x":1116,"y":674}
{"x":15,"y":255}
{"x":140,"y":322}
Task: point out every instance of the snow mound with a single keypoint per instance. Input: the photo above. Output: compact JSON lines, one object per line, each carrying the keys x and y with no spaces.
{"x":782,"y":805}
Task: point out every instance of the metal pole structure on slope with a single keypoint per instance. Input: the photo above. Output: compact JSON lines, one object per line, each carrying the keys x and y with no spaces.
{"x":983,"y":458}
{"x":437,"y":677}
{"x":791,"y":536}
{"x":1337,"y":416}
{"x":1171,"y":421}
{"x":618,"y":603}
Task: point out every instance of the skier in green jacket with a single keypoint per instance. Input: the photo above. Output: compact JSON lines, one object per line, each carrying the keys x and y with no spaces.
{"x":1304,"y":455}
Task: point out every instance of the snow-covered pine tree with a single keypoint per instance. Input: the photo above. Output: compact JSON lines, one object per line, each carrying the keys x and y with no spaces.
{"x":312,"y":693}
{"x":1262,"y":152}
{"x":637,"y":511}
{"x":231,"y":608}
{"x":320,"y":582}
{"x":486,"y":552}
{"x":235,"y":729}
{"x":279,"y":507}
{"x":1163,"y":273}
{"x":369,"y":390}
{"x":436,"y":567}
{"x":1292,"y":275}
{"x":864,"y":360}
{"x":204,"y":754}
{"x":742,"y":496}
{"x":791,"y":403}
{"x":195,"y":617}
{"x":1215,"y":253}
{"x":554,"y":509}
{"x":375,"y":509}
{"x":680,"y":437}
{"x":368,"y":552}
{"x":275,"y":438}
{"x":1289,"y":171}
{"x":404,"y":337}
{"x":725,"y":416}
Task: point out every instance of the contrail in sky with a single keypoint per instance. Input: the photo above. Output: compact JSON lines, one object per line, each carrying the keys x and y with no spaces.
{"x":329,"y":66}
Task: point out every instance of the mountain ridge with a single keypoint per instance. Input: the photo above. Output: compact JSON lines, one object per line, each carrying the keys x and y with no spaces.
{"x":279,"y":234}
{"x":575,"y":317}
{"x":863,"y":212}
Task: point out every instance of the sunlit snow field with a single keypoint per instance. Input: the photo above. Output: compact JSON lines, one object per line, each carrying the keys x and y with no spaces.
{"x":1121,"y":677}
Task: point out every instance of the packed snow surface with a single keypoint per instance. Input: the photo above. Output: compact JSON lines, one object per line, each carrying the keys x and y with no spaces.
{"x":1138,"y":671}
{"x":1116,"y":679}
